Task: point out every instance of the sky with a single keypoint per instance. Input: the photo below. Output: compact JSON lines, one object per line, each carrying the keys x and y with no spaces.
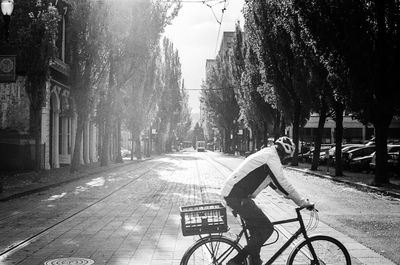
{"x":194,"y":34}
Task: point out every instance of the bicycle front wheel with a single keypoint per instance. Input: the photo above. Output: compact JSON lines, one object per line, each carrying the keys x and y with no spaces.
{"x":216,"y":250}
{"x":318,"y":250}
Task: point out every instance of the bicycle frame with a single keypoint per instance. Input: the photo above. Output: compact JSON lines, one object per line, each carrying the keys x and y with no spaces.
{"x":302,"y":230}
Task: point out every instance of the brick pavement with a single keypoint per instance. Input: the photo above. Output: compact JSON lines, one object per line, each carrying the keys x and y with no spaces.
{"x":141,"y":225}
{"x":16,"y":185}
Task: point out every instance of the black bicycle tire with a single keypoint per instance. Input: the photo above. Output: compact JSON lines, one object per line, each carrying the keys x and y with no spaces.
{"x":209,"y":239}
{"x":303,"y":243}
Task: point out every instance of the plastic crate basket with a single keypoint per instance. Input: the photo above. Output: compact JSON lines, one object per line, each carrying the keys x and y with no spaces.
{"x":203,"y":219}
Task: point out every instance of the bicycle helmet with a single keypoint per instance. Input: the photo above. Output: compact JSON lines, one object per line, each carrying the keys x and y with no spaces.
{"x":286,"y":144}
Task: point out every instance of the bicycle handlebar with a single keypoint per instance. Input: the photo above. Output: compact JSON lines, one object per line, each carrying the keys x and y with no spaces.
{"x":311,"y":208}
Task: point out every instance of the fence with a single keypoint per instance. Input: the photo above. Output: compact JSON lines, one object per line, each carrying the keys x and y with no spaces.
{"x":20,"y":157}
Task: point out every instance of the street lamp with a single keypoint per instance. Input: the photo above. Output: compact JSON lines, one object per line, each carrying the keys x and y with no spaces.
{"x":7,"y":7}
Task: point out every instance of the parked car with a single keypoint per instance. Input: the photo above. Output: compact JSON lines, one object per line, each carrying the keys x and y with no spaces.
{"x":308,"y":156}
{"x":393,"y":158}
{"x":356,"y":153}
{"x":305,"y":157}
{"x":345,"y":148}
{"x":125,"y":152}
{"x":323,"y":158}
{"x":370,"y":141}
{"x":361,"y":163}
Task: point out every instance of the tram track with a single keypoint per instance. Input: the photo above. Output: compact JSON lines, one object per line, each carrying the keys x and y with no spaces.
{"x":36,"y":191}
{"x":14,"y":247}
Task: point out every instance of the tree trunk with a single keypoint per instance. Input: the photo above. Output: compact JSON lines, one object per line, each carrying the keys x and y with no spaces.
{"x":319,"y":134}
{"x":381,"y":136}
{"x":254,"y":135}
{"x":138,"y":147}
{"x":282,"y":125}
{"x":132,"y":145}
{"x":227,"y":141}
{"x":149,"y":146}
{"x":104,"y":158}
{"x":118,"y":158}
{"x":37,"y":134}
{"x":257,"y":140}
{"x":265,"y":135}
{"x":296,"y":128}
{"x":168,"y":143}
{"x":383,"y":111}
{"x":159,"y":142}
{"x":76,"y":158}
{"x":338,"y":108}
{"x":101,"y":136}
{"x":85,"y":150}
{"x":230,"y":141}
{"x":277,"y":124}
{"x":107,"y":110}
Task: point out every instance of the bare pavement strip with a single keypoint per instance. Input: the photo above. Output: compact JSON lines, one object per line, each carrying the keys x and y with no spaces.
{"x":147,"y":230}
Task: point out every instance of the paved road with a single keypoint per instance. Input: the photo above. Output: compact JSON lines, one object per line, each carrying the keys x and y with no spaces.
{"x":131,"y":216}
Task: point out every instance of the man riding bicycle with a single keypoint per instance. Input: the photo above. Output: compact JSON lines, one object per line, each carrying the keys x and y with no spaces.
{"x":255,"y":173}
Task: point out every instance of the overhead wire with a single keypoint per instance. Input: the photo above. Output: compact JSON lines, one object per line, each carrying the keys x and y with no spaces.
{"x":199,"y":89}
{"x":212,"y":10}
{"x":210,"y":4}
{"x":220,"y":24}
{"x":194,"y":1}
{"x":191,"y":1}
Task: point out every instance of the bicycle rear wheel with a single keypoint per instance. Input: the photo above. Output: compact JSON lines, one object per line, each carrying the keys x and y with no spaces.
{"x":216,"y":250}
{"x":319,"y":250}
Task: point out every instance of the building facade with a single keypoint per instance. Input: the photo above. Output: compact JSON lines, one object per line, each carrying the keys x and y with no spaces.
{"x":58,"y":117}
{"x":353,"y":130}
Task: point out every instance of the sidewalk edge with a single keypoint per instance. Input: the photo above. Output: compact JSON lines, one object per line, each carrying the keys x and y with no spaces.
{"x":359,"y":185}
{"x":49,"y":186}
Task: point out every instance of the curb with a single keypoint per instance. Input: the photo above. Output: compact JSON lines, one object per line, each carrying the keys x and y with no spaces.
{"x":355,"y":184}
{"x":79,"y":176}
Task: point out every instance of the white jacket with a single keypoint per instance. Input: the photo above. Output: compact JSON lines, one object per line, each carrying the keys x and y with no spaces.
{"x":258,"y":171}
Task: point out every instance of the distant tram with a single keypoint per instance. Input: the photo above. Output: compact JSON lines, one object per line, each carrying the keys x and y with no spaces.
{"x":201,"y":146}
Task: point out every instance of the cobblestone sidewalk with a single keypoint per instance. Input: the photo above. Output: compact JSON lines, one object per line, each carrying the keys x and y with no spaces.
{"x":19,"y":184}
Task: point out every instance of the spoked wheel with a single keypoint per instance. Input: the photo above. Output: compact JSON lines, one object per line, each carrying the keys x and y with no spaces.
{"x":211,"y":250}
{"x":319,"y":250}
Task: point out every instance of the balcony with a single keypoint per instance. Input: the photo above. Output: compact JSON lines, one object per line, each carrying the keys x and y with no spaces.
{"x":60,"y":66}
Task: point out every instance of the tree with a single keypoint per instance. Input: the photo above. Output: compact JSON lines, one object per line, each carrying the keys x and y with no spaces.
{"x":170,"y":104}
{"x":139,"y":74}
{"x":198,"y":134}
{"x":283,"y":66}
{"x":87,"y":49}
{"x":218,"y":97}
{"x":364,"y":34}
{"x":185,"y":121}
{"x":258,"y":114}
{"x":36,"y":27}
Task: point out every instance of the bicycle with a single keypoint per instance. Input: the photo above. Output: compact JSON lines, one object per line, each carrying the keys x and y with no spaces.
{"x":215,"y":248}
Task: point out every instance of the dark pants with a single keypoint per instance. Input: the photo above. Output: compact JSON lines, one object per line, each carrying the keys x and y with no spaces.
{"x":257,"y":222}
